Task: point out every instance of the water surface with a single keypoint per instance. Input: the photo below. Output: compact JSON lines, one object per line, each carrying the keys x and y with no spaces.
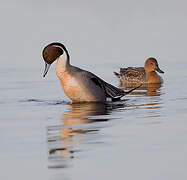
{"x":44,"y":136}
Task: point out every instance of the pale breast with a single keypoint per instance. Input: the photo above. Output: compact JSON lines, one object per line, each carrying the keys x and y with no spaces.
{"x":75,"y":89}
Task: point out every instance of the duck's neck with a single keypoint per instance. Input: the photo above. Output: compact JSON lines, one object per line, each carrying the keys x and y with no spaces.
{"x":62,"y":64}
{"x":152,"y":77}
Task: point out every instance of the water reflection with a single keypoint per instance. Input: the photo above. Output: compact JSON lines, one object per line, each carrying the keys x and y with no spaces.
{"x":80,"y":126}
{"x":148,"y":99}
{"x":148,"y":89}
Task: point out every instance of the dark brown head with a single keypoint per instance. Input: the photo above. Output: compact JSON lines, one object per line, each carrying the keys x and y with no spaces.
{"x":51,"y":53}
{"x":151,"y":64}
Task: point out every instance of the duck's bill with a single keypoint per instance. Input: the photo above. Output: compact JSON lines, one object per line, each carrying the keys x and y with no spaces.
{"x":159,"y":70}
{"x":47,"y":66}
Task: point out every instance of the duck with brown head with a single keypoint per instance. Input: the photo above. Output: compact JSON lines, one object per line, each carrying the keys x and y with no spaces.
{"x":145,"y":75}
{"x":79,"y":85}
{"x":151,"y":65}
{"x":52,"y":52}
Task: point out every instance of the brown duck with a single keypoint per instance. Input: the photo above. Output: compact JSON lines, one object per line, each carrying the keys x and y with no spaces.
{"x":141,"y":75}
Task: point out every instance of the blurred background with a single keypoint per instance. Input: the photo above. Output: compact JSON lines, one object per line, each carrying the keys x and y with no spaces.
{"x":101,"y":36}
{"x":99,"y":31}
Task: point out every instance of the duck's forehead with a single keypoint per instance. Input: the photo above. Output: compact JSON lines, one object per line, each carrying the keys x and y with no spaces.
{"x":54,"y":49}
{"x":57,"y":44}
{"x":51,"y":52}
{"x":152,"y":60}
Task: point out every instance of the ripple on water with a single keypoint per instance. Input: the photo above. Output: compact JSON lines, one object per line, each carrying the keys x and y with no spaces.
{"x":80,"y":131}
{"x":45,"y":102}
{"x":81,"y":124}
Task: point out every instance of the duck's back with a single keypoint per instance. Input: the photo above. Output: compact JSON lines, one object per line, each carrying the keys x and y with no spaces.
{"x":132,"y":75}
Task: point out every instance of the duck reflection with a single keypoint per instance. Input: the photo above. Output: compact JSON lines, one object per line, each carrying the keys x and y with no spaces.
{"x":149,"y":107}
{"x":79,"y":127}
{"x":79,"y":113}
{"x":149,"y":89}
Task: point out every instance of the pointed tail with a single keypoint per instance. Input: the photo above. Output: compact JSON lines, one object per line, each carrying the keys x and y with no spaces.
{"x":117,"y":74}
{"x":125,"y":93}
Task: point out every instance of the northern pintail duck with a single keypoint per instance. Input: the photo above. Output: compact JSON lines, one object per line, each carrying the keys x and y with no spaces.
{"x":144,"y":75}
{"x":79,"y":85}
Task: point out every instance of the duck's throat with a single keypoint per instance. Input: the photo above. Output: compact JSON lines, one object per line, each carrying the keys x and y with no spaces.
{"x":152,"y":77}
{"x":62,"y":65}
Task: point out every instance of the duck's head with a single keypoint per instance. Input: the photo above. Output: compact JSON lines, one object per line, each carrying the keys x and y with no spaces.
{"x":52,"y":52}
{"x":151,"y":64}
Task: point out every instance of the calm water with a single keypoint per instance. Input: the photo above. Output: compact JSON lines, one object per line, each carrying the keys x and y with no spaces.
{"x":44,"y":136}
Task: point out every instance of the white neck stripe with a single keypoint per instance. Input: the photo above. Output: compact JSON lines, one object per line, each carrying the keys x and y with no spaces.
{"x":59,"y":47}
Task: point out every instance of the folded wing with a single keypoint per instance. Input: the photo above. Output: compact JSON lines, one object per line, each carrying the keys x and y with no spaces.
{"x":110,"y":90}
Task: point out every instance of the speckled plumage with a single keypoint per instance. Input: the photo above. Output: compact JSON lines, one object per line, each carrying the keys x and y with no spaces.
{"x":140,"y":75}
{"x":133,"y":74}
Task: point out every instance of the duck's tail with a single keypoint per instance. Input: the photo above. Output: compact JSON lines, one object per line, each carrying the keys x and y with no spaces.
{"x":127,"y":92}
{"x":124,"y":93}
{"x":117,"y":74}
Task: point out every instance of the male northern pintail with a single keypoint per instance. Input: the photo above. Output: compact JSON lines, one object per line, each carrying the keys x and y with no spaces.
{"x":79,"y":85}
{"x":144,"y":75}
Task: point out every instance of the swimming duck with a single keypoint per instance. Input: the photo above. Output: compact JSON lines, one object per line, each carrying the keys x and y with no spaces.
{"x":144,"y":75}
{"x":79,"y":85}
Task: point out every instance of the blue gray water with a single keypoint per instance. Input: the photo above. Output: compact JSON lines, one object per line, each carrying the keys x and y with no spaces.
{"x":44,"y":136}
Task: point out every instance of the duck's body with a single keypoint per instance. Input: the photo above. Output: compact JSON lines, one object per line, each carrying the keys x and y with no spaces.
{"x":79,"y":85}
{"x":143,"y":75}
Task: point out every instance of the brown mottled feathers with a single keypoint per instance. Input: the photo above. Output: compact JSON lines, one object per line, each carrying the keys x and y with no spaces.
{"x":144,"y":75}
{"x":132,"y":74}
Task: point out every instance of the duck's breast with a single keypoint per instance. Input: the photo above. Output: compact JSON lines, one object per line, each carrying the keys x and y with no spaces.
{"x":153,"y":77}
{"x":80,"y":89}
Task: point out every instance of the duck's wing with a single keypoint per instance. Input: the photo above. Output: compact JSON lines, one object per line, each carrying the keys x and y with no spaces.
{"x":133,"y":74}
{"x":110,"y":90}
{"x":130,"y":71}
{"x":133,"y":71}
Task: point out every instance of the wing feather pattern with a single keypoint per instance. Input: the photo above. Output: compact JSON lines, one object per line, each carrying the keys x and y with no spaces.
{"x":110,"y":90}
